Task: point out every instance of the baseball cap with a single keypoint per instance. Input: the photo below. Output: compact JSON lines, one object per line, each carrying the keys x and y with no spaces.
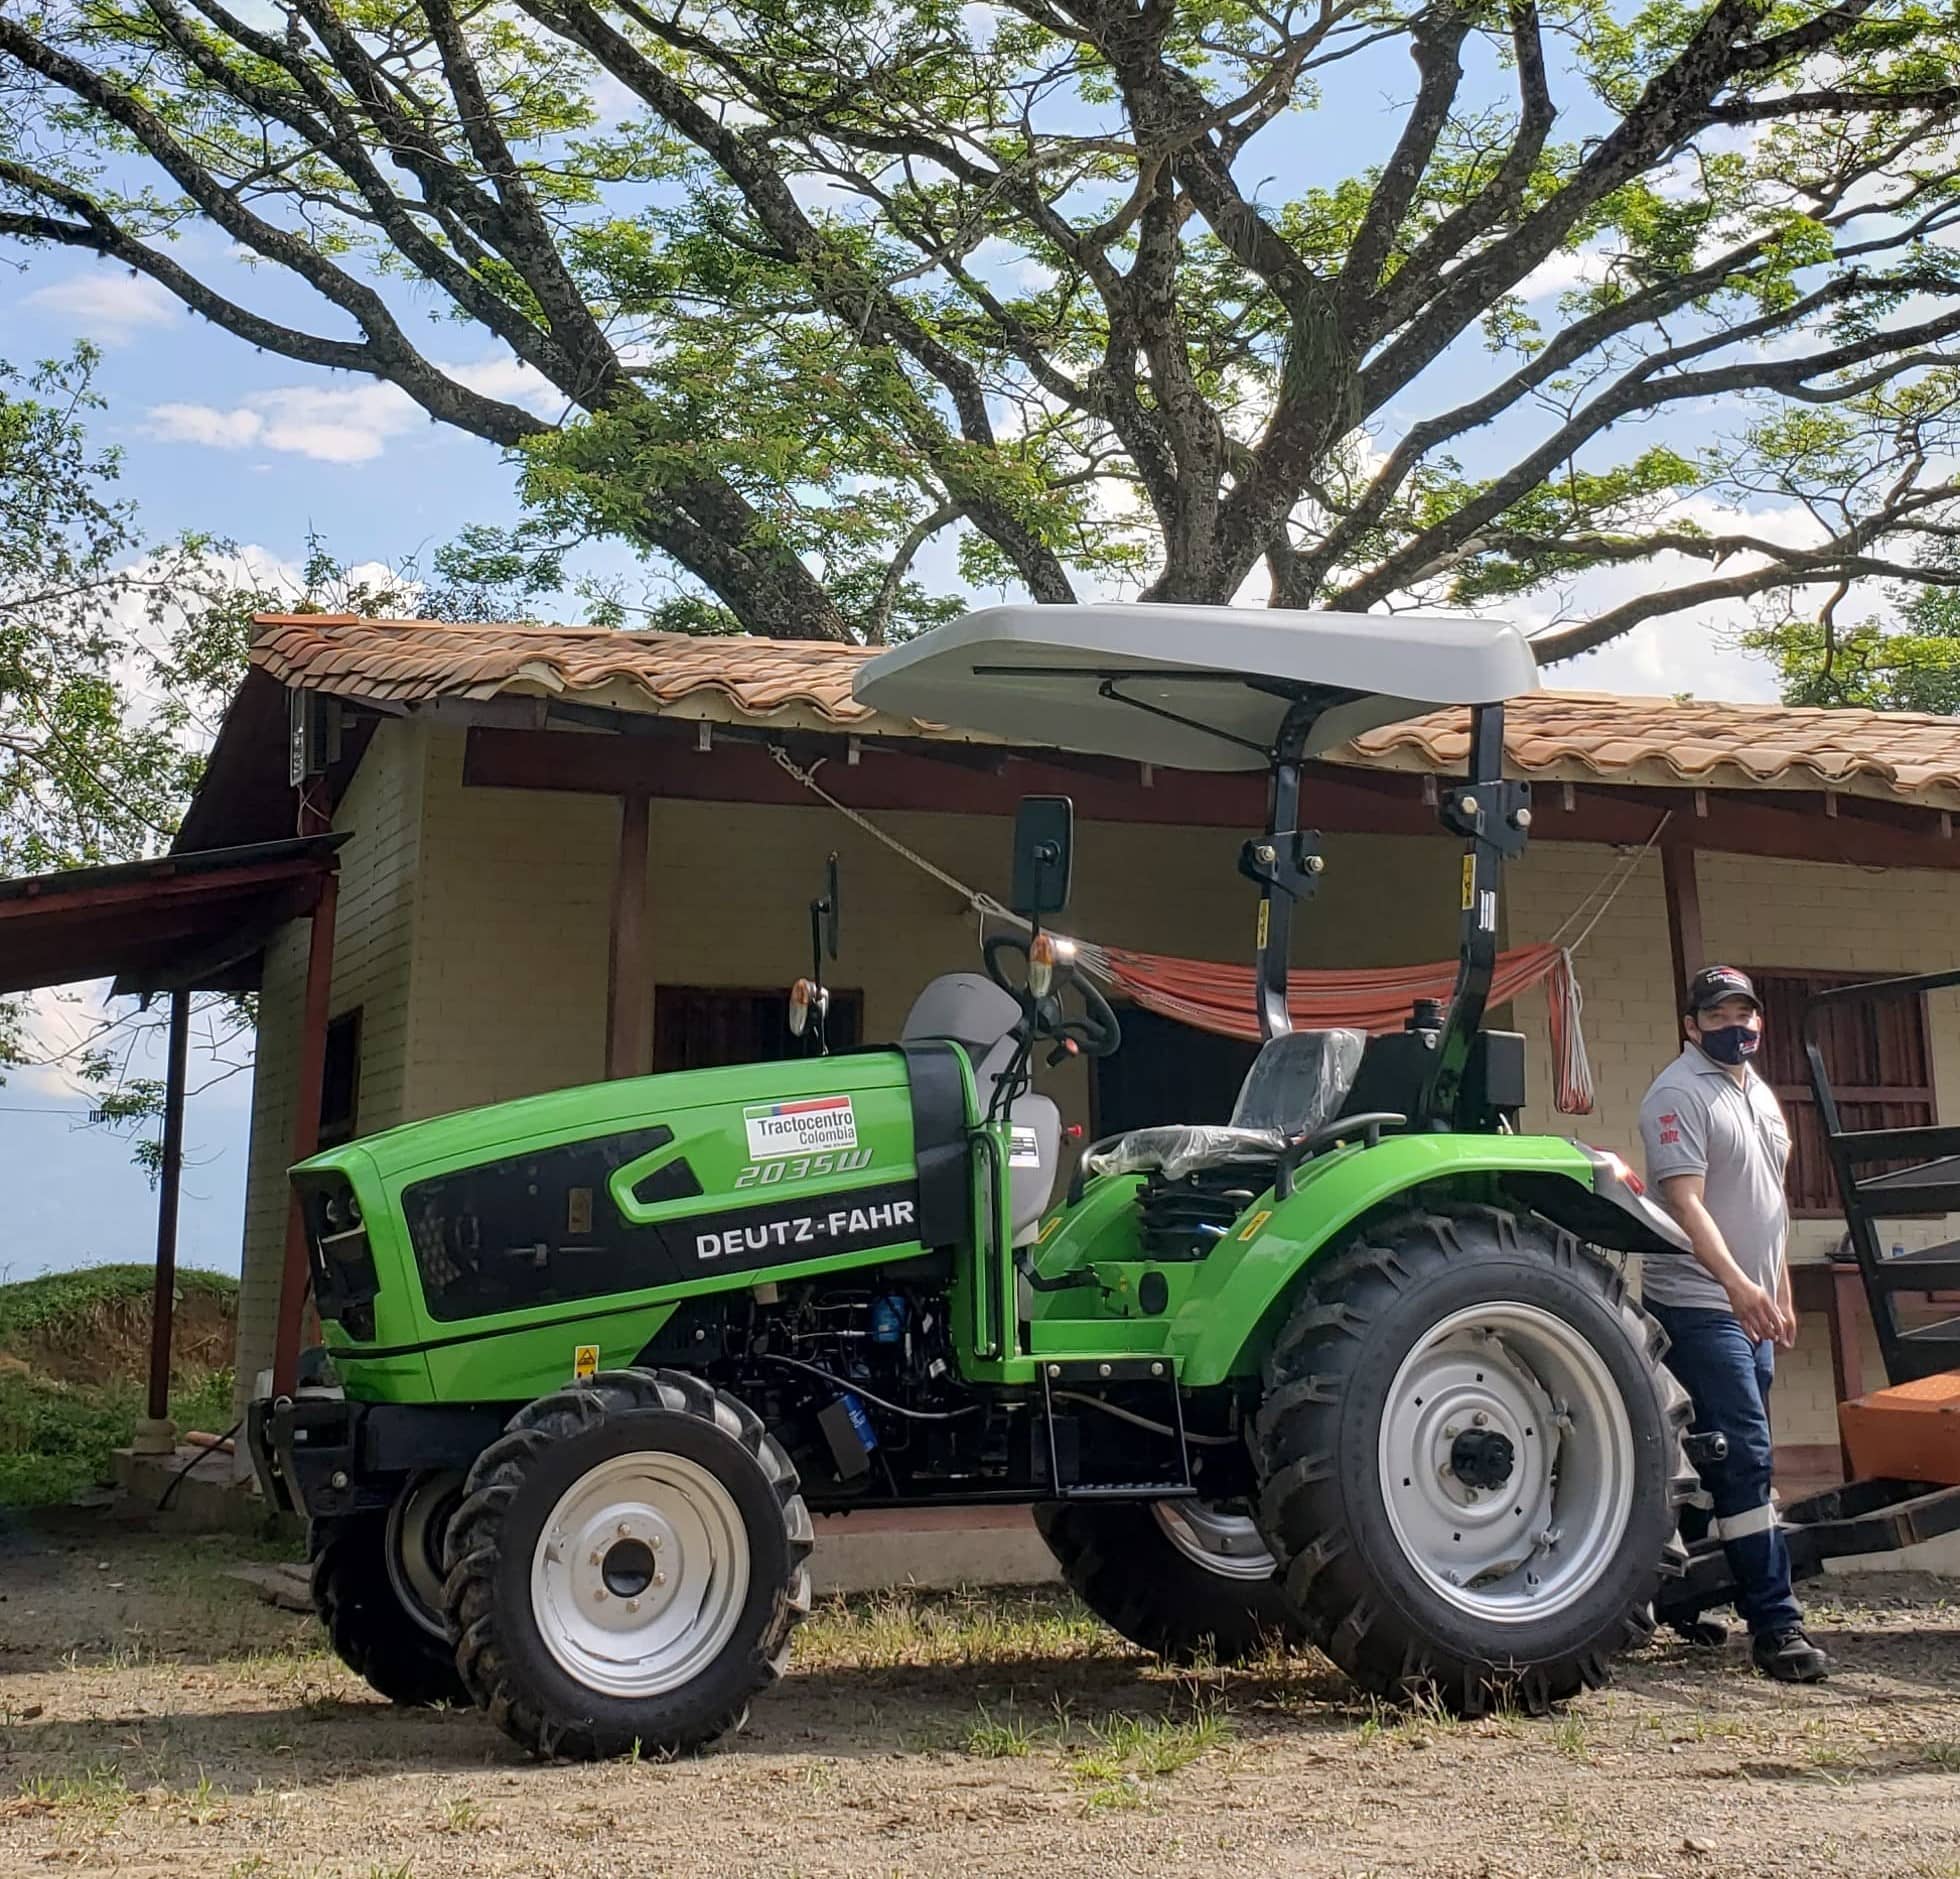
{"x":1712,"y":984}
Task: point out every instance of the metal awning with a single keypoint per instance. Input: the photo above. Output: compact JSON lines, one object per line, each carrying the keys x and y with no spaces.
{"x":1198,"y":688}
{"x":189,"y":922}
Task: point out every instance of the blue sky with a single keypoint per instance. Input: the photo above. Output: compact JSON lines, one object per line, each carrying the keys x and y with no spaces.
{"x":216,"y":437}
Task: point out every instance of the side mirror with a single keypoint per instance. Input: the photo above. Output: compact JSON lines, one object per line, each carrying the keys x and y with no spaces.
{"x":826,"y":909}
{"x":1044,"y":844}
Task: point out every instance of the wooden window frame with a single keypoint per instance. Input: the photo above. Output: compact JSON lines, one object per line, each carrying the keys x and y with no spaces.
{"x":1804,"y":1180}
{"x":336,"y":1129}
{"x":842,"y":998}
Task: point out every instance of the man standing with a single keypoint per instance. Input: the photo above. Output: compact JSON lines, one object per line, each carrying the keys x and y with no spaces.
{"x":1716,"y":1147}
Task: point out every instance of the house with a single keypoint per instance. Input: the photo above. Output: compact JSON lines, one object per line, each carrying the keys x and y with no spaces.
{"x":573,"y":854}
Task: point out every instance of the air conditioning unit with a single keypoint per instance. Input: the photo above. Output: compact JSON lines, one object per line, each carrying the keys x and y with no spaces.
{"x":313,"y":735}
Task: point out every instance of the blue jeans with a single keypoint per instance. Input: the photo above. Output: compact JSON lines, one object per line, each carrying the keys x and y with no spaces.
{"x":1729,"y":1377}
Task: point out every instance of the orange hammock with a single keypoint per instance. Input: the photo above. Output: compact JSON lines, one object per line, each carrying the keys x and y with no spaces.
{"x":1221,"y":998}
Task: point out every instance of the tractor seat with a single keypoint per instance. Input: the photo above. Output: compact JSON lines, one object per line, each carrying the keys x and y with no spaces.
{"x":1296,"y":1083}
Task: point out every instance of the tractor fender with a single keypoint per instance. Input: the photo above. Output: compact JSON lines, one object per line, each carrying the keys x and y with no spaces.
{"x":1244,"y":1288}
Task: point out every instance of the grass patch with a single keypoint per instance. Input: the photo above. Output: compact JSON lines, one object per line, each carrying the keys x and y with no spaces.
{"x":888,"y":1630}
{"x":73,"y":1356}
{"x":996,"y":1738}
{"x":97,"y":1792}
{"x":1126,"y":1754}
{"x":101,"y":1302}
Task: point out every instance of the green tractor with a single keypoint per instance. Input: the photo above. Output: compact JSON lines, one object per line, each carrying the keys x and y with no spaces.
{"x":1359,"y":1370}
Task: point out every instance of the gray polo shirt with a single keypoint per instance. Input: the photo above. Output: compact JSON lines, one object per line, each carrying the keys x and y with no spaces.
{"x":1697,"y":1119}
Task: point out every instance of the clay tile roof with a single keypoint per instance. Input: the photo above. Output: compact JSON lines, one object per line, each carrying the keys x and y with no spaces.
{"x":1551,"y":736}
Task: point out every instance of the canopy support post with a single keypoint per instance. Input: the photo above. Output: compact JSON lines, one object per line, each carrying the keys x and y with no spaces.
{"x":155,"y":1433}
{"x":1494,"y":818}
{"x":1284,"y":863}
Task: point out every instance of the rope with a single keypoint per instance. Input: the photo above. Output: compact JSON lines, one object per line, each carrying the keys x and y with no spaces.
{"x":1174,"y":988}
{"x":982,"y":903}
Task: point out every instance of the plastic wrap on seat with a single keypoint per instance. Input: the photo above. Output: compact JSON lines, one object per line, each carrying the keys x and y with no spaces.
{"x":1178,"y":1149}
{"x":1298,"y":1082}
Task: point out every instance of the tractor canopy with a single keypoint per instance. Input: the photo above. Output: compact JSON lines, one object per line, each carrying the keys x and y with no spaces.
{"x":1196,"y":688}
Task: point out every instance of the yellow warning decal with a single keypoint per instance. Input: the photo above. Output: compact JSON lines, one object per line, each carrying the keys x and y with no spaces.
{"x":1469,"y":882}
{"x":1257,"y":1221}
{"x":585,"y":1362}
{"x":1265,"y":914}
{"x":1047,"y":1227}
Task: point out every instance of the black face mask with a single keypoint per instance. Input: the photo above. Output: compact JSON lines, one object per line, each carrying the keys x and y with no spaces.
{"x":1731,"y":1044}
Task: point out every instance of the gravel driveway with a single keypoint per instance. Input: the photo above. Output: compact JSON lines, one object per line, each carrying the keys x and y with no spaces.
{"x":156,"y":1718}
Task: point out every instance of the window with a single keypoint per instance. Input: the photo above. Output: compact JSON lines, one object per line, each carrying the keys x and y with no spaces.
{"x":697,"y":1027}
{"x":1168,"y":1072}
{"x":340,"y":1080}
{"x":1881,"y":1073}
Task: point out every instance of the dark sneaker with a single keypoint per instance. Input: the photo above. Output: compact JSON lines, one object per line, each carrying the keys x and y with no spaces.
{"x":1789,"y":1656}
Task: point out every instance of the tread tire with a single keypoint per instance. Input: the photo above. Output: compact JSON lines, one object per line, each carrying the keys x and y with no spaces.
{"x":1321,"y":1507}
{"x":1121,"y":1564}
{"x":371,"y":1632}
{"x":511,"y":1490}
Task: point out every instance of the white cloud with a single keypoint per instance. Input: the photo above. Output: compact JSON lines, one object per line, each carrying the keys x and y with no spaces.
{"x":106,"y":306}
{"x":1561,"y":272}
{"x":203,"y":424}
{"x":342,"y":424}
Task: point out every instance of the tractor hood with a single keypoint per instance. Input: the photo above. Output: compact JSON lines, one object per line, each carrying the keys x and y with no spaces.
{"x":1196,"y":688}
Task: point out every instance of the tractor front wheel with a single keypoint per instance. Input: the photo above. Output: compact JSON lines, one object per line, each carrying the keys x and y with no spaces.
{"x":626,"y":1567}
{"x":1186,"y":1578}
{"x":377,"y":1588}
{"x":1472,"y":1460}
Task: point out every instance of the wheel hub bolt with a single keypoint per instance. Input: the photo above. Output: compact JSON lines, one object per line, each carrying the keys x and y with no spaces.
{"x":657,"y":1542}
{"x":660,"y":1578}
{"x":599,"y":1597}
{"x":632,"y":1604}
{"x":1450,"y":1432}
{"x":595,"y":1559}
{"x":625,"y":1529}
{"x":1481,"y":1420}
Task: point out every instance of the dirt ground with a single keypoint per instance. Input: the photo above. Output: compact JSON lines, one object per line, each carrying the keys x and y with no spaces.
{"x":155,"y":1718}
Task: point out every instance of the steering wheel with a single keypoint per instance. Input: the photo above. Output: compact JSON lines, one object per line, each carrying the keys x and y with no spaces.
{"x":1096,"y":1033}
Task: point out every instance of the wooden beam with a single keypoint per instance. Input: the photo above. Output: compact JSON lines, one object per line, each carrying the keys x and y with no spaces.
{"x":156,"y":1434}
{"x":964,"y":779}
{"x":1683,"y":893}
{"x":311,"y":1070}
{"x":629,"y":992}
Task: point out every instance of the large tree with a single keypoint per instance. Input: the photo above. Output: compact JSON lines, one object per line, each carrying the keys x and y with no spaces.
{"x":814,"y":280}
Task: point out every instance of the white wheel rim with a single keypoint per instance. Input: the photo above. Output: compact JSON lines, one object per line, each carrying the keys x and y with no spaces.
{"x":1218,"y":1539}
{"x":1538,"y":1404}
{"x":413,"y":1546}
{"x":639,"y":1577}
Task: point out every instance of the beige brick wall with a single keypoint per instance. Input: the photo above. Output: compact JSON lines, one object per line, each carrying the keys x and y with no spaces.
{"x":1756,"y":912}
{"x":510,"y":940}
{"x":382,"y":811}
{"x":473,"y":933}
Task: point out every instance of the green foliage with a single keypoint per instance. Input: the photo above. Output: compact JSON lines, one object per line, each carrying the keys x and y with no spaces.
{"x":56,"y":1435}
{"x":812,"y":285}
{"x":72,"y":1304}
{"x":1912,"y":664}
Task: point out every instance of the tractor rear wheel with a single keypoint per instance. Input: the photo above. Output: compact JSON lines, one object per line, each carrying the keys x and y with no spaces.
{"x":1471,"y":1460}
{"x":626,"y":1567}
{"x":1186,"y":1579}
{"x":377,"y":1587}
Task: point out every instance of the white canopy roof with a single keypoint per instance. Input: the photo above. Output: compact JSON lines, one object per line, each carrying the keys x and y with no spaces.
{"x":1044,"y":675}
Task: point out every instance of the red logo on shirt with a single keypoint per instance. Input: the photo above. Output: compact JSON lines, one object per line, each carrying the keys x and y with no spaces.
{"x":1670,"y":1129}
